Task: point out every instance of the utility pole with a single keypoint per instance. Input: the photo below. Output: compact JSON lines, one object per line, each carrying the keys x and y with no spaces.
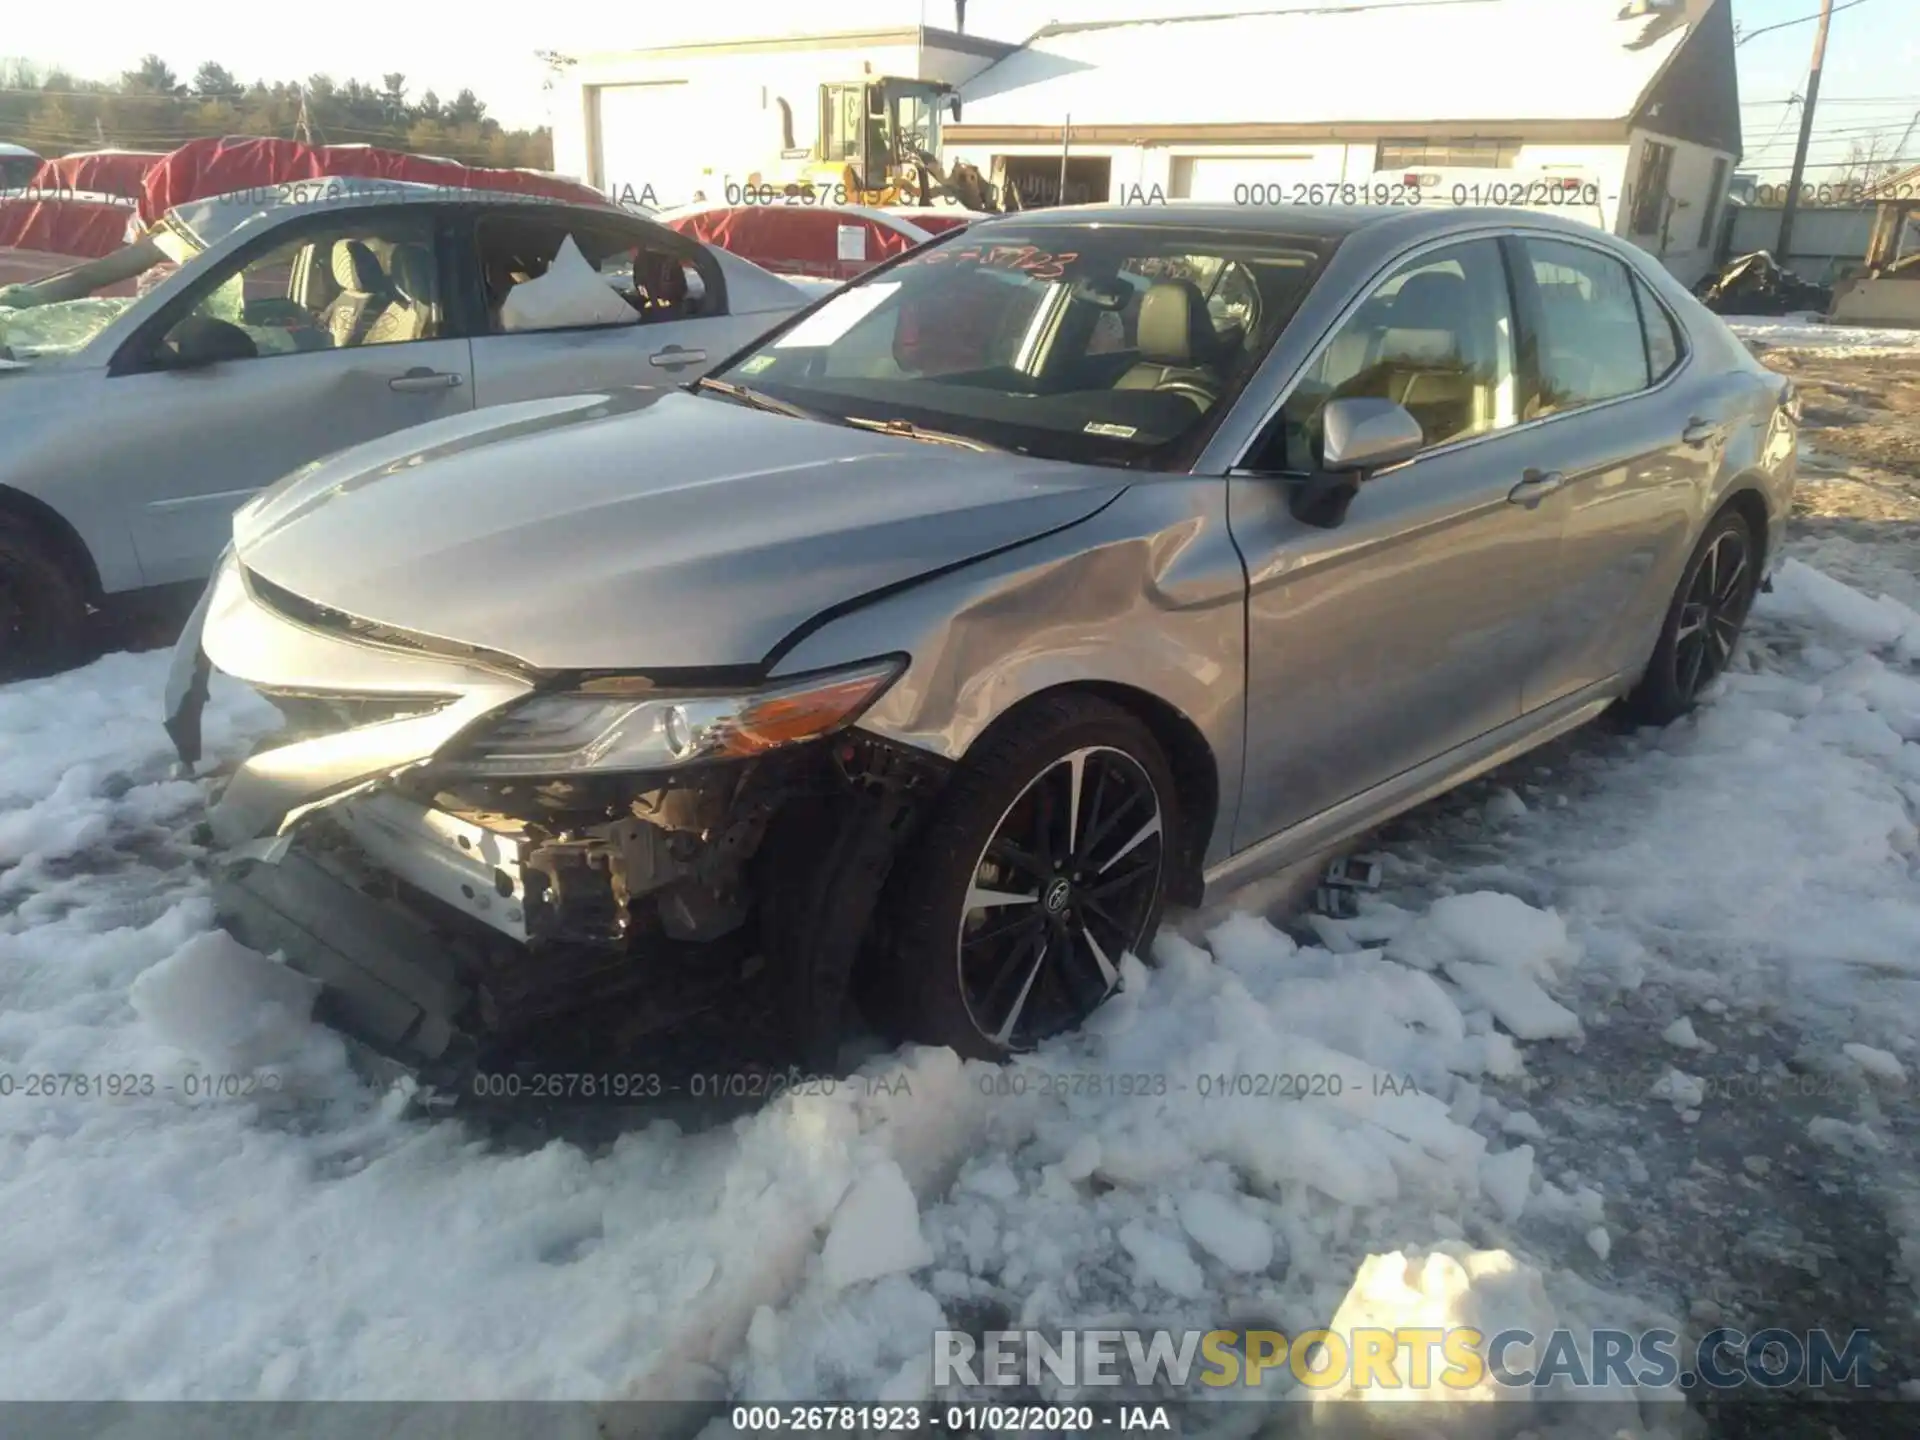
{"x":1784,"y":246}
{"x":1066,"y":143}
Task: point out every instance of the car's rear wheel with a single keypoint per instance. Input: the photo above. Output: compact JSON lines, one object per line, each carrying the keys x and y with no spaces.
{"x":43,"y":606}
{"x":1703,"y":623}
{"x":1045,"y":862}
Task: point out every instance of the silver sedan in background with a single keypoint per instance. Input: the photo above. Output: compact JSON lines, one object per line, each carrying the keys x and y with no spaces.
{"x":1039,"y":578}
{"x":146,"y":394}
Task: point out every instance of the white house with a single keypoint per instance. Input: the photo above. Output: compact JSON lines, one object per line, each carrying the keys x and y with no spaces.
{"x":678,"y":120}
{"x":1639,"y":97}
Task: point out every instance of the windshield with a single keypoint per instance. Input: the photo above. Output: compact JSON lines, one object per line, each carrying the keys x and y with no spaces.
{"x":1107,"y":344}
{"x":60,"y":314}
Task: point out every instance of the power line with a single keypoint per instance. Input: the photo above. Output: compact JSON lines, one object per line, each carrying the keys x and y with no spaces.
{"x":1787,"y":24}
{"x":1885,"y":101}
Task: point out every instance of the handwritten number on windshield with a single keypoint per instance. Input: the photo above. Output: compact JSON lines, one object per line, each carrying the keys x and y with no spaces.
{"x":1027,"y":259}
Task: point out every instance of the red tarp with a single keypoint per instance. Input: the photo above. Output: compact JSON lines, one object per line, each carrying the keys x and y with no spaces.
{"x":796,"y":239}
{"x":202,"y":168}
{"x":84,"y":229}
{"x":99,"y":172}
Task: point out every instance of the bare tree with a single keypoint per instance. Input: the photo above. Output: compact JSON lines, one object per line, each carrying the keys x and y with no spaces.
{"x":1869,"y":161}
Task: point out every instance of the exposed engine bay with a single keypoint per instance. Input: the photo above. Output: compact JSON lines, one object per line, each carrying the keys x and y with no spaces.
{"x":459,"y":922}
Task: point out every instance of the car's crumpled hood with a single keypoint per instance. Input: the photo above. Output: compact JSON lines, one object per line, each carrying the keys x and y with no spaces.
{"x":585,"y":533}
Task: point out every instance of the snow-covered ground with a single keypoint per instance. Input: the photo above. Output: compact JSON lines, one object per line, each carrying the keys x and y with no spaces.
{"x":1810,"y":332}
{"x":1747,"y":874}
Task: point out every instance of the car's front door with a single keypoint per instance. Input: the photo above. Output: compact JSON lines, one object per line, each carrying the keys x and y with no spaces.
{"x":324,"y":333}
{"x":1414,"y":625}
{"x":666,"y":324}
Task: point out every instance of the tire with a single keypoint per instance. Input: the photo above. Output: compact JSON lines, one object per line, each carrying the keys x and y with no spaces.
{"x":1703,"y":623}
{"x":989,"y":986}
{"x":43,"y":606}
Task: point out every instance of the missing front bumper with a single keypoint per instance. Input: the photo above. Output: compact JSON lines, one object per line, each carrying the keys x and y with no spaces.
{"x":387,"y":978}
{"x":439,"y":935}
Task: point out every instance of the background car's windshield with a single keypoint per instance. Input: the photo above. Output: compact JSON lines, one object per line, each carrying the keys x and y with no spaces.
{"x":1115,"y":344}
{"x":60,"y":314}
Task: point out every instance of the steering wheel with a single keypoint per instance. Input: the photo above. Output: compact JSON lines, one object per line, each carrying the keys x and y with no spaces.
{"x":1193,"y":390}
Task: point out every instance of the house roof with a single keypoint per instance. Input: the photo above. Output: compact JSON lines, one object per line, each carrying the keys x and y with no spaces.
{"x":1381,"y":61}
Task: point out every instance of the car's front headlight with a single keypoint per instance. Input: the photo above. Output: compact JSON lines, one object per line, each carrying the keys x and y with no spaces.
{"x":630,"y":723}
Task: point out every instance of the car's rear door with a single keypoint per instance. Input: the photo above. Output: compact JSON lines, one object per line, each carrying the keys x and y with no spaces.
{"x":1628,"y":439}
{"x":332,"y":366}
{"x":1412,"y":627}
{"x":656,"y":349}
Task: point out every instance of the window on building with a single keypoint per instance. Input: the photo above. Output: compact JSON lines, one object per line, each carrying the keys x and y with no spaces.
{"x":1498,"y":153}
{"x":1650,"y":187}
{"x":1716,"y":194}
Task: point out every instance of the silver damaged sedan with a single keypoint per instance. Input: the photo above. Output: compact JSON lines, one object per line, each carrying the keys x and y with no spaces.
{"x":925,"y":650}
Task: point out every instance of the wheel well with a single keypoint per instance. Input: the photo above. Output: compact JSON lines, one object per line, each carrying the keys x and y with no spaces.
{"x":1188,"y":755}
{"x":52,"y":526}
{"x":1753,"y":509}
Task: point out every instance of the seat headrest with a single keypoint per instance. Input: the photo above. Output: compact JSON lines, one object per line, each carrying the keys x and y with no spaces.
{"x":413,"y":273}
{"x":1432,"y":300}
{"x":1174,"y":327}
{"x":355,"y":268}
{"x":661,"y":277}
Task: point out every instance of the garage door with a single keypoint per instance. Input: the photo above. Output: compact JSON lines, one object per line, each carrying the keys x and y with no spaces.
{"x":642,"y":130}
{"x":1237,"y":177}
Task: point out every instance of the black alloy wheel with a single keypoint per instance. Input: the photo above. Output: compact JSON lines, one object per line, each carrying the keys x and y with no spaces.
{"x":1045,"y":860}
{"x":1703,"y":624}
{"x":1064,"y":888}
{"x":1713,"y":613}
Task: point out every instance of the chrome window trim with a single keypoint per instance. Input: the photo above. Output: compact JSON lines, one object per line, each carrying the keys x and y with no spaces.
{"x":1364,"y":292}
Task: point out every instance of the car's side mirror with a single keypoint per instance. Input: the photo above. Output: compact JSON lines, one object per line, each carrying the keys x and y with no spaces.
{"x":1363,"y":435}
{"x":1359,"y":435}
{"x":200,"y":340}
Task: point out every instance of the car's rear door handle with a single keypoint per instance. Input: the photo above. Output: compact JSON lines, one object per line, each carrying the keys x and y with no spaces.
{"x":675,"y":355}
{"x":421,"y":378}
{"x":1700,"y":432}
{"x":1535,"y":486}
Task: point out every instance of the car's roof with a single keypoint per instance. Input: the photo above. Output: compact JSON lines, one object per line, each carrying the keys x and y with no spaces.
{"x":214,"y":217}
{"x":18,"y":150}
{"x":1310,"y":222}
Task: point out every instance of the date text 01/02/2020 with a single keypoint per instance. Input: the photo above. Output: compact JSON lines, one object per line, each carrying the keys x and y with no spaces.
{"x":131,"y":1084}
{"x":964,"y":1419}
{"x":578,"y":1085}
{"x":1206,"y":1085}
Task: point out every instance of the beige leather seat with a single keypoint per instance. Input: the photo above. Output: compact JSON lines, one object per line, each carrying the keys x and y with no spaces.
{"x":1178,"y":345}
{"x":1422,"y":354}
{"x":413,"y":312}
{"x":364,"y":293}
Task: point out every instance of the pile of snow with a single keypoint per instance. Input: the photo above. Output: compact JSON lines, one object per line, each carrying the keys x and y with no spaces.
{"x":1810,"y":333}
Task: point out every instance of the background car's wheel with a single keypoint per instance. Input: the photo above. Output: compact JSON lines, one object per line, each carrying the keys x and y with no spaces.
{"x":1703,"y":624}
{"x":43,"y":606}
{"x":1044,"y":862}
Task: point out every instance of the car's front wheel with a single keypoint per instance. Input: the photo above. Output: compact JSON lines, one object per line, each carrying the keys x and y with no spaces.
{"x":43,"y":608}
{"x":1044,"y":862}
{"x":1703,"y":623}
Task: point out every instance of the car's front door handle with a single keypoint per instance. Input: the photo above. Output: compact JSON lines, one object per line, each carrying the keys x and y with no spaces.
{"x":1535,"y":486}
{"x":421,"y":378}
{"x":676,"y":355}
{"x":1700,"y":432}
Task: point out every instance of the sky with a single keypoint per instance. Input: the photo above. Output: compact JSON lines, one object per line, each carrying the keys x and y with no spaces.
{"x":1872,"y":81}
